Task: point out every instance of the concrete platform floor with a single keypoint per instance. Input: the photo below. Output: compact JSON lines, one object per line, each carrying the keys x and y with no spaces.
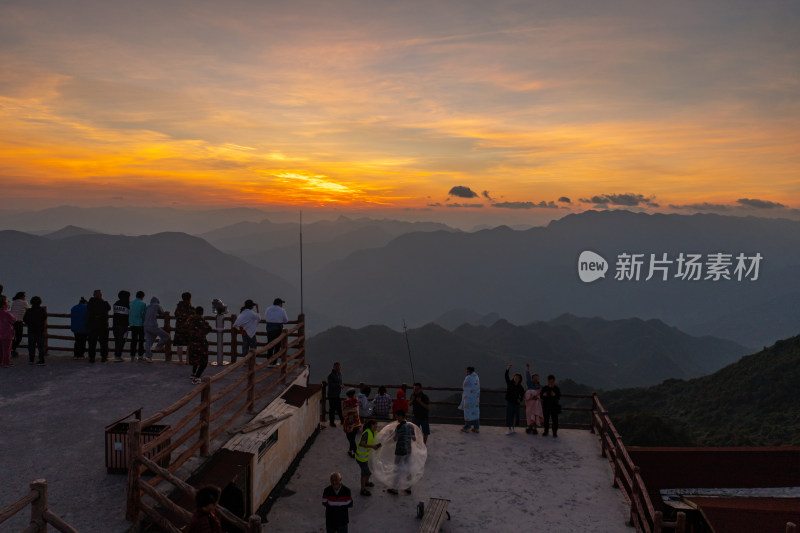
{"x":496,"y":483}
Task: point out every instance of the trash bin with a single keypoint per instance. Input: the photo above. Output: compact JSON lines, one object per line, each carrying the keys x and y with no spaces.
{"x":117,"y":443}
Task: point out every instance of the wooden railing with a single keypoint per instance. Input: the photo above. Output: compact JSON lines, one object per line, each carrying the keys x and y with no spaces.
{"x":455,"y":419}
{"x":57,"y":328}
{"x":41,"y":516}
{"x":627,"y":477}
{"x":194,"y":432}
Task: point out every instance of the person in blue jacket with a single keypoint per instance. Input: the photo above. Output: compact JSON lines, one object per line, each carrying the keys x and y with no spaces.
{"x":78,"y":316}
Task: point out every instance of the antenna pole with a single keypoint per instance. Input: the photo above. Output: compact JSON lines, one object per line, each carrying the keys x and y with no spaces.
{"x":301,"y":262}
{"x":408,"y":346}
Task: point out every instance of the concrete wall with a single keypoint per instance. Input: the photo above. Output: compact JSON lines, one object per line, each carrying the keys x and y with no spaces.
{"x":292,"y":436}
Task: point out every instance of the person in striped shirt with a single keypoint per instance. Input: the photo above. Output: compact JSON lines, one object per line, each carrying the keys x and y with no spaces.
{"x":337,"y":500}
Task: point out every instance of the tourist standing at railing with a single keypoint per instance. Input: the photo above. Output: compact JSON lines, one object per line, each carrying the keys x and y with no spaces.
{"x":197,"y":329}
{"x":7,"y":321}
{"x":533,"y":401}
{"x":136,"y":321}
{"x":514,"y":394}
{"x":275,"y":317}
{"x":36,"y":320}
{"x":98,"y":325}
{"x":183,"y":310}
{"x":247,"y":323}
{"x":18,"y":307}
{"x":551,"y":395}
{"x":382,"y":404}
{"x":337,"y":500}
{"x":421,"y":404}
{"x":151,"y":329}
{"x":119,"y":323}
{"x":400,"y":403}
{"x":334,"y":394}
{"x":352,"y":422}
{"x":364,"y":405}
{"x":78,"y":318}
{"x":470,"y":401}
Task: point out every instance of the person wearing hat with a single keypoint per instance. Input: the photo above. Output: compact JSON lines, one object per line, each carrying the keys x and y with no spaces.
{"x":275,"y":317}
{"x":247,"y":323}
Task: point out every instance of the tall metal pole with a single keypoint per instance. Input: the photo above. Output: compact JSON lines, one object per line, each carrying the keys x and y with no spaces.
{"x":301,"y":263}
{"x":405,"y":329}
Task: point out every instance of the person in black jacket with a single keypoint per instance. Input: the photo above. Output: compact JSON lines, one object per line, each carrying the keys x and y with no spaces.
{"x":514,"y":395}
{"x":36,"y":320}
{"x":119,"y":324}
{"x":97,"y":322}
{"x":551,"y":395}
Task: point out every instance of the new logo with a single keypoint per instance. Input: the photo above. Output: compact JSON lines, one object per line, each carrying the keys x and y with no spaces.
{"x":591,"y":266}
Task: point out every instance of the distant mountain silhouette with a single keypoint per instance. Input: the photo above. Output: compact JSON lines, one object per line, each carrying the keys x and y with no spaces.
{"x":276,"y":247}
{"x":130,"y":220}
{"x":752,"y":402}
{"x":532,"y":275}
{"x":457,"y":317}
{"x":604,"y":354}
{"x":69,"y":231}
{"x":163,"y":265}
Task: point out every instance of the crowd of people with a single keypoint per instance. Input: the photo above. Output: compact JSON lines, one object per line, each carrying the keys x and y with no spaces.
{"x":89,"y":323}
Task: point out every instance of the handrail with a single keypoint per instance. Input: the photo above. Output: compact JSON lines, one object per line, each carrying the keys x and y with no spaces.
{"x":41,"y":516}
{"x":204,"y":422}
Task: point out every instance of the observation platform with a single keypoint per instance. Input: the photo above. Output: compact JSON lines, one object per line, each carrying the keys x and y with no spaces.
{"x":52,"y":422}
{"x":496,"y":483}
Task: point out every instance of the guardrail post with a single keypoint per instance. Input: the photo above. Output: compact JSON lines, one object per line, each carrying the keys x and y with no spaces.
{"x":168,"y":346}
{"x":234,"y":341}
{"x":134,"y":496}
{"x":205,"y":417}
{"x":594,"y":410}
{"x":603,"y":432}
{"x":681,"y":523}
{"x":658,"y":521}
{"x":39,"y":505}
{"x":323,"y":403}
{"x":254,"y":524}
{"x":301,"y":332}
{"x":284,"y":351}
{"x":251,"y":382}
{"x":46,"y":332}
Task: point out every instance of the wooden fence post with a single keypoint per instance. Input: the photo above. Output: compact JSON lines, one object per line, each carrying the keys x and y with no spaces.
{"x":301,"y":332}
{"x":603,"y":432}
{"x":681,"y":523}
{"x":39,"y":505}
{"x":168,"y":345}
{"x":594,"y":410}
{"x":234,"y":341}
{"x":251,"y":382}
{"x":322,"y":406}
{"x":254,"y":524}
{"x":134,"y":496}
{"x":658,"y":521}
{"x":205,"y":417}
{"x":46,"y":332}
{"x":284,"y":350}
{"x":634,"y":509}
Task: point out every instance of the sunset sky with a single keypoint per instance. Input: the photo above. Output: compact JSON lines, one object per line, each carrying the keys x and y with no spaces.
{"x":532,"y":108}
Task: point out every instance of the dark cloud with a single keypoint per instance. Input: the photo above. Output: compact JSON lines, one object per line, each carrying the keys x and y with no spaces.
{"x":486,"y":195}
{"x":437,"y":204}
{"x":462,"y":192}
{"x":628,"y":200}
{"x":703,"y":206}
{"x":565,"y":200}
{"x":759,"y":204}
{"x":463,"y":205}
{"x":526,"y":205}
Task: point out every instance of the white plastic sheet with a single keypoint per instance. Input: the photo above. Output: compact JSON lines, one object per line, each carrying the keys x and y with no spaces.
{"x":398,"y":473}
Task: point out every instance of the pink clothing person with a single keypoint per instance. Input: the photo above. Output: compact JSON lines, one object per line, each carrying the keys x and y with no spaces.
{"x":6,"y":333}
{"x":533,"y":409}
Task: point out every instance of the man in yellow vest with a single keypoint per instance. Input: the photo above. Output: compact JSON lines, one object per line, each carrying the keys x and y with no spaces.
{"x":365,"y":444}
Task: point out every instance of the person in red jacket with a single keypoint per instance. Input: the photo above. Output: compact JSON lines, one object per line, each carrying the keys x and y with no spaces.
{"x":400,"y":403}
{"x":7,"y":321}
{"x":205,"y":519}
